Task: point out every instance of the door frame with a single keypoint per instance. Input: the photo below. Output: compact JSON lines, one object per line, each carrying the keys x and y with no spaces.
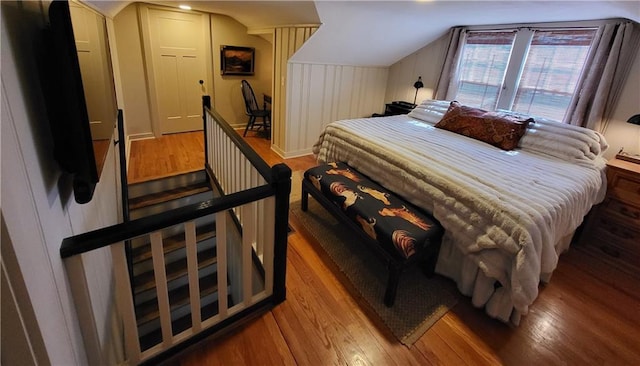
{"x":145,"y":25}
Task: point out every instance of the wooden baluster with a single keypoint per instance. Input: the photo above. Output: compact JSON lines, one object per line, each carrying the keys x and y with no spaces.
{"x":162,"y":291}
{"x":248,"y":238}
{"x":267,"y":237}
{"x":124,"y":301}
{"x":192,"y":270}
{"x":221,"y":247}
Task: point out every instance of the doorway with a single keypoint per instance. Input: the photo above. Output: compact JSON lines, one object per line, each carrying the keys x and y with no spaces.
{"x":176,"y":45}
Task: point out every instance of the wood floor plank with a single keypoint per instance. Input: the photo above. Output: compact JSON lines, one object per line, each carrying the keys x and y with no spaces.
{"x":436,"y":350}
{"x":464,"y":343}
{"x":165,"y":156}
{"x":261,"y":334}
{"x":347,"y":325}
{"x":589,"y":314}
{"x":608,"y":325}
{"x":320,"y":331}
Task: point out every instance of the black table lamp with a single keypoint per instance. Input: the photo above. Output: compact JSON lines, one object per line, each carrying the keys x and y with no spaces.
{"x":418,"y":84}
{"x":634,"y":120}
{"x":622,"y":155}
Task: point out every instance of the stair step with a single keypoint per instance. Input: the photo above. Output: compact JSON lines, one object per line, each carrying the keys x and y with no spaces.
{"x":179,"y":325}
{"x":173,"y":243}
{"x":146,"y":281}
{"x":168,"y":195}
{"x":165,"y":183}
{"x":178,"y":297}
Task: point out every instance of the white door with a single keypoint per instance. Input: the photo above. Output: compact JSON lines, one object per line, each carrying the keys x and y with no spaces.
{"x":178,"y":43}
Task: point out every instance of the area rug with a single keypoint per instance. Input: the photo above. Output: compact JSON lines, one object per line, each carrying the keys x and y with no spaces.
{"x":420,"y":300}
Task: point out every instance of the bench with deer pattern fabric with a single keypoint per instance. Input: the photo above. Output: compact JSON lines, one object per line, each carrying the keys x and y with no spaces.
{"x":397,"y":231}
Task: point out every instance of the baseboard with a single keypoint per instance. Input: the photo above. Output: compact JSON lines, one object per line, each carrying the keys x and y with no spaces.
{"x":141,"y":136}
{"x":277,"y":150}
{"x":291,"y":154}
{"x":135,"y":137}
{"x":298,"y":153}
{"x":127,"y":152}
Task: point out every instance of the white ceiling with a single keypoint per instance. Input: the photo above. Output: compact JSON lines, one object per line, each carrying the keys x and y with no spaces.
{"x":257,"y":14}
{"x":383,"y":32}
{"x":379,"y":33}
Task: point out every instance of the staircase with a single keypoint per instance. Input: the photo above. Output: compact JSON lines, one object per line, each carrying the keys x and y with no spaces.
{"x":234,"y":245}
{"x":156,"y":196}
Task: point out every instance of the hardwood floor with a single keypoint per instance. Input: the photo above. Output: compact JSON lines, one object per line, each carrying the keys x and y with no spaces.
{"x":589,"y":314}
{"x":168,"y":155}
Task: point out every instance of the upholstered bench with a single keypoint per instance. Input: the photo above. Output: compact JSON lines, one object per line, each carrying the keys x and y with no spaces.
{"x":398,"y":232}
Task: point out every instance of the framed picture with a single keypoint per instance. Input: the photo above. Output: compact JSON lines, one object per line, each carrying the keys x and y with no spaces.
{"x":236,"y":60}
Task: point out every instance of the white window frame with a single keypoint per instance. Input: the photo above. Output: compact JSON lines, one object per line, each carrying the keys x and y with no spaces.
{"x":518,"y":58}
{"x":520,"y":49}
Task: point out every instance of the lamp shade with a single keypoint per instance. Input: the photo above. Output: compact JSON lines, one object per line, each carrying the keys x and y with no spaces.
{"x":418,"y":84}
{"x":634,"y":120}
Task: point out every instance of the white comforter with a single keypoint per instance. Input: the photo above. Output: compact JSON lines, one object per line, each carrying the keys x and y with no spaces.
{"x":505,"y":211}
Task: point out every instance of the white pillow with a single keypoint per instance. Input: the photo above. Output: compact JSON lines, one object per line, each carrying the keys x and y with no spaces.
{"x":430,"y":110}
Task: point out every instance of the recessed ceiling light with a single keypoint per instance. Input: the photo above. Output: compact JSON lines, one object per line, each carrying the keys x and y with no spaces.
{"x":185,"y":7}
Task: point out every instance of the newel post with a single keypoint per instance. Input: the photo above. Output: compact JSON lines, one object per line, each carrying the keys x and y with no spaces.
{"x":281,"y":175}
{"x":206,"y":104}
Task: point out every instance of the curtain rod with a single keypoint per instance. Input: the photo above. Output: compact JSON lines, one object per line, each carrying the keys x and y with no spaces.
{"x":547,"y":25}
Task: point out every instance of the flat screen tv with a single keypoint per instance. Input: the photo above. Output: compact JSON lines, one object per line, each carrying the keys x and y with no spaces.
{"x":79,"y":91}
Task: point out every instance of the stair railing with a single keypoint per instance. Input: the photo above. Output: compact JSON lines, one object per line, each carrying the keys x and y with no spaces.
{"x":252,"y":197}
{"x":234,"y":166}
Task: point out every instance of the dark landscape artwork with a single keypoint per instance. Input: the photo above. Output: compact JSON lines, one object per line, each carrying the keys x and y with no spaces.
{"x":236,"y":60}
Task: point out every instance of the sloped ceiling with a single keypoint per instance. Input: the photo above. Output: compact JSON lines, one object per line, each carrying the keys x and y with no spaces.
{"x":383,"y":32}
{"x":379,"y":33}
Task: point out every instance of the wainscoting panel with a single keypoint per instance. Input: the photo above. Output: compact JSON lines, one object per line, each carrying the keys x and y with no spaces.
{"x":319,"y":94}
{"x":286,"y":41}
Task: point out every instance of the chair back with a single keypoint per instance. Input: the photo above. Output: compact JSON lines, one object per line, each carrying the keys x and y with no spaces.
{"x":250,"y":102}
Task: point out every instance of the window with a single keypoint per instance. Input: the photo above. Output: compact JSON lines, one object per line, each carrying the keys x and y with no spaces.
{"x":532,"y":71}
{"x":482,"y":67}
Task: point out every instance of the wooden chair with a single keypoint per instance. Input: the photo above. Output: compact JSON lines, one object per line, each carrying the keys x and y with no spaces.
{"x":253,"y":110}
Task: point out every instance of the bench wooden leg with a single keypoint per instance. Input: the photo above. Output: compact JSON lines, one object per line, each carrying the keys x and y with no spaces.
{"x":428,"y":266}
{"x":392,"y":284}
{"x":428,"y":263}
{"x":304,"y":201}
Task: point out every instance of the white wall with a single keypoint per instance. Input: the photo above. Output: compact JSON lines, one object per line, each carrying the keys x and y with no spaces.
{"x":425,"y":62}
{"x":132,"y":74}
{"x":227,"y":94}
{"x":620,"y":133}
{"x":37,"y":202}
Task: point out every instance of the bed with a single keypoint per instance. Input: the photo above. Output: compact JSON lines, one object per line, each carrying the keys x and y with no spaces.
{"x":507,"y":215}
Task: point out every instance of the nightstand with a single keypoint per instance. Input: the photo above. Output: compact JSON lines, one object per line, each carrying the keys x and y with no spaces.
{"x":613,"y":231}
{"x":395,"y":108}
